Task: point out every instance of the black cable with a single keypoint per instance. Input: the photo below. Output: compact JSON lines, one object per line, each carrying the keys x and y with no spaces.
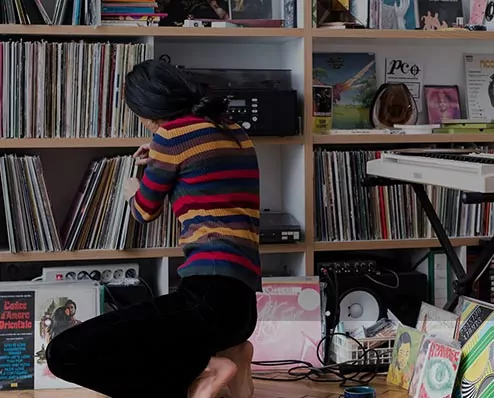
{"x":146,"y":285}
{"x":327,"y":373}
{"x":114,"y":303}
{"x":305,"y":370}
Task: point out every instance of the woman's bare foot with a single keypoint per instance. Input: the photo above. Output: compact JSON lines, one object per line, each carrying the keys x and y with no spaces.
{"x":241,"y":385}
{"x":217,"y":375}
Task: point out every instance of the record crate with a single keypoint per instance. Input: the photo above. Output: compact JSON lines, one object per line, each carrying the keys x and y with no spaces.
{"x":344,"y":349}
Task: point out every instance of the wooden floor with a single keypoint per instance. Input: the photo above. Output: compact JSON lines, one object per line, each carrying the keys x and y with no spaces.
{"x":264,"y":389}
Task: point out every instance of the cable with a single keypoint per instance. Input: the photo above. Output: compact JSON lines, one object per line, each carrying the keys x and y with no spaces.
{"x":113,"y":303}
{"x":146,"y":286}
{"x":327,"y":373}
{"x":396,"y":286}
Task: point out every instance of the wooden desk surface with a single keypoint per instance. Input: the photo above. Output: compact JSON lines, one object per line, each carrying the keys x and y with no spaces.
{"x":264,"y":389}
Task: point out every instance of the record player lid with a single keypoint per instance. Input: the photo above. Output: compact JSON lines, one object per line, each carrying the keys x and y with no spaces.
{"x":278,"y":220}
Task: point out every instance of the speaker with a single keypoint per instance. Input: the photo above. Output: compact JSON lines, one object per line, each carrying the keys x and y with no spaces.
{"x":361,"y":300}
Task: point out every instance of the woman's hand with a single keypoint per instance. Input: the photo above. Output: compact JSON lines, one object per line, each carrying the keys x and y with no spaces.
{"x":131,"y":186}
{"x":142,"y":155}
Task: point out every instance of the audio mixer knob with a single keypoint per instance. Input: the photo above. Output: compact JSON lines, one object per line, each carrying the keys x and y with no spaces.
{"x":246,"y":125}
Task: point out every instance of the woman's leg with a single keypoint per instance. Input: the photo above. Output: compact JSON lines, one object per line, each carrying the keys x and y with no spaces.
{"x":237,"y":318}
{"x":217,"y":375}
{"x":151,"y":349}
{"x":162,"y":346}
{"x":241,"y":384}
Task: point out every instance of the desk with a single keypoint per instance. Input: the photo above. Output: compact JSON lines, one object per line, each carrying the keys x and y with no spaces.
{"x":264,"y":389}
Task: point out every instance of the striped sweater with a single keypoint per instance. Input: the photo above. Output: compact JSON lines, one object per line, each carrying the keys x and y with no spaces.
{"x":212,"y":179}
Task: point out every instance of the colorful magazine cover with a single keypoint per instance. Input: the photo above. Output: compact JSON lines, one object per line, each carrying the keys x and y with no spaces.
{"x":405,"y":353}
{"x":437,"y":322}
{"x":56,"y":311}
{"x":16,"y":340}
{"x":436,"y":369}
{"x":353,"y":78}
{"x":439,"y":14}
{"x":399,"y":14}
{"x":476,"y":336}
{"x":31,"y":315}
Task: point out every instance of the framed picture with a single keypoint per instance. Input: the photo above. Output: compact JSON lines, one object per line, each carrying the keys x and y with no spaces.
{"x":323,"y":100}
{"x":442,"y":103}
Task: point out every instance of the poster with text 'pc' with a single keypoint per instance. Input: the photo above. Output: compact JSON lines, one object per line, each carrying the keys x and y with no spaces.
{"x":479,"y":70}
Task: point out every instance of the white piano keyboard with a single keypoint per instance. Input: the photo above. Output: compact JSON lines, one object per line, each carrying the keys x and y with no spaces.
{"x":466,"y":172}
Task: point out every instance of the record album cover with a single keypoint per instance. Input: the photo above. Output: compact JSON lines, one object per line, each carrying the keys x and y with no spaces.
{"x":353,"y":79}
{"x":439,"y":14}
{"x":289,"y":321}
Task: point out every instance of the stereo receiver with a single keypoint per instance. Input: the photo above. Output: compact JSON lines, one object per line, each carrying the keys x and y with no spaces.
{"x":263,"y":112}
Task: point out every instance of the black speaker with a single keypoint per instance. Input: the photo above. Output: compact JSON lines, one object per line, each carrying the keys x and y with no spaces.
{"x":363,"y":299}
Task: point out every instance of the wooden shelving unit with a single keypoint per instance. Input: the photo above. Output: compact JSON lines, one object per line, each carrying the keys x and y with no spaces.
{"x":300,"y":60}
{"x":390,"y":244}
{"x":129,"y":31}
{"x":84,"y":255}
{"x":371,"y":34}
{"x":60,"y":143}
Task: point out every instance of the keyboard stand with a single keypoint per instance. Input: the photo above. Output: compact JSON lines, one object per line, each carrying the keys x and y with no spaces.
{"x":463,"y":286}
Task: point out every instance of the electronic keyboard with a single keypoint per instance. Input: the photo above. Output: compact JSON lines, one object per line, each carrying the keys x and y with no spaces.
{"x":456,"y":169}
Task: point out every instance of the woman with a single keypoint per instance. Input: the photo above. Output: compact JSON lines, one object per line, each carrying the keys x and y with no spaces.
{"x":193,"y":342}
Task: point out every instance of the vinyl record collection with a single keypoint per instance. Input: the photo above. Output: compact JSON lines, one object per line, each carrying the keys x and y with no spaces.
{"x":345,"y":210}
{"x":33,"y":12}
{"x":28,"y":223}
{"x":101,"y":218}
{"x":67,"y":90}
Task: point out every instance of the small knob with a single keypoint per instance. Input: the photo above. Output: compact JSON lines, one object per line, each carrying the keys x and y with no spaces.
{"x":246,"y":125}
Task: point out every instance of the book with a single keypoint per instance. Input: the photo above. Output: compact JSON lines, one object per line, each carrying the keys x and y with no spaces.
{"x":479,"y":86}
{"x":130,"y":13}
{"x":31,"y":315}
{"x":353,"y":79}
{"x":405,"y":352}
{"x":437,"y":322}
{"x":476,"y":336}
{"x":289,"y":321}
{"x":436,"y":368}
{"x":322,"y":109}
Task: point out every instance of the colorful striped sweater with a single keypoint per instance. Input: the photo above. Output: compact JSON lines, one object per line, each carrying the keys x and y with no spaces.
{"x":212,"y":179}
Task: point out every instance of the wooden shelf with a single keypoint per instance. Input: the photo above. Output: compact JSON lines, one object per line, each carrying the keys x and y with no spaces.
{"x":283,"y":248}
{"x":88,"y":255}
{"x":137,"y":31}
{"x":354,"y":139}
{"x":389,"y":34}
{"x":294,"y":140}
{"x":38,"y":143}
{"x":80,"y":255}
{"x":391,"y":244}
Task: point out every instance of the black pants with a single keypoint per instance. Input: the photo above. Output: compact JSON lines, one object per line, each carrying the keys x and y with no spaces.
{"x":156,"y":349}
